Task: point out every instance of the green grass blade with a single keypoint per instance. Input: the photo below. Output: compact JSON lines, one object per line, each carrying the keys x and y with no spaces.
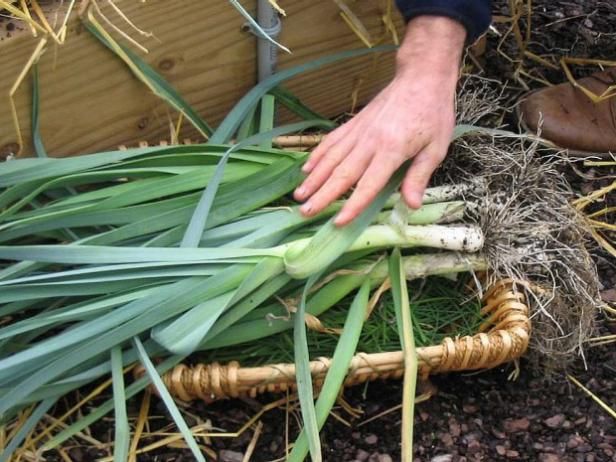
{"x":234,"y":118}
{"x":71,"y":313}
{"x":245,"y":306}
{"x":266,"y":118}
{"x":24,"y":170}
{"x":345,"y":349}
{"x":257,"y":29}
{"x":199,"y":218}
{"x":91,"y":255}
{"x":198,"y":221}
{"x":46,"y":291}
{"x":248,"y":127}
{"x":37,"y":142}
{"x":183,"y":335}
{"x":122,"y":430}
{"x":304,"y":377}
{"x":118,"y":272}
{"x":168,"y":400}
{"x":294,"y":104}
{"x":248,"y":331}
{"x":405,"y":327}
{"x":232,"y":201}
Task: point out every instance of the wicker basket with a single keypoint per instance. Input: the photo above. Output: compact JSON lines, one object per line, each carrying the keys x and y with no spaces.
{"x":502,"y":337}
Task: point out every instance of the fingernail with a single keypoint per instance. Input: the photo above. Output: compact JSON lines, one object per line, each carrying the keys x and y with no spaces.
{"x":416,"y":200}
{"x":300,"y":192}
{"x":306,"y":208}
{"x":340,"y":219}
{"x":307,"y":167}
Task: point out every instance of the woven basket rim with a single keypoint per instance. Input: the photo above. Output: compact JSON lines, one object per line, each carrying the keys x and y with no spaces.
{"x":503,"y":337}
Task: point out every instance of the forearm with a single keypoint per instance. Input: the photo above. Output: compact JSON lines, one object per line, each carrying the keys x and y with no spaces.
{"x":431,"y":52}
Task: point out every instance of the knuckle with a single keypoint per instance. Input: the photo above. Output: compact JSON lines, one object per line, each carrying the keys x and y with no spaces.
{"x":332,"y":157}
{"x":344,"y":172}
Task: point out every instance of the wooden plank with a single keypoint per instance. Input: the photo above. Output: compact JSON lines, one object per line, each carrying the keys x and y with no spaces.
{"x":91,"y":102}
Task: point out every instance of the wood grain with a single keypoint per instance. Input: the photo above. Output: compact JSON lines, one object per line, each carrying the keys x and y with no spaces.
{"x":91,"y":102}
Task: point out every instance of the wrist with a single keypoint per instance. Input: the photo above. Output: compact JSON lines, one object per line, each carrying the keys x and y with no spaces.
{"x":432,"y":47}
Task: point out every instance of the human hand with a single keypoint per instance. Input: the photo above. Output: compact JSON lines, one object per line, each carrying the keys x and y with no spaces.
{"x":412,"y":118}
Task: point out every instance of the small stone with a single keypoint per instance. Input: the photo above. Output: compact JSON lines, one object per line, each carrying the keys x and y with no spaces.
{"x":454,"y":429}
{"x":362,"y":456}
{"x":548,"y":457}
{"x":512,"y":454}
{"x":498,"y":434}
{"x":609,"y":295}
{"x":474,"y":447}
{"x":555,"y":421}
{"x":501,"y":450}
{"x":340,"y":444}
{"x":75,"y":453}
{"x":230,"y":456}
{"x":580,"y":421}
{"x":424,"y":416}
{"x":446,"y":439}
{"x":384,"y":458}
{"x":442,"y":458}
{"x":469,"y":408}
{"x":588,"y":23}
{"x":356,"y":435}
{"x":516,"y":425}
{"x":585,"y":447}
{"x":574,"y":441}
{"x":371,"y":439}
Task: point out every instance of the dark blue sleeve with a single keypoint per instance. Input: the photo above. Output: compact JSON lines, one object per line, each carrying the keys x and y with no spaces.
{"x":475,"y":15}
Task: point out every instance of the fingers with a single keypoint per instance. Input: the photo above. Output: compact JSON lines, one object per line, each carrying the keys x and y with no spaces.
{"x":342,"y":178}
{"x":324,"y":168}
{"x":371,"y":183}
{"x":330,"y":140}
{"x":418,"y":176}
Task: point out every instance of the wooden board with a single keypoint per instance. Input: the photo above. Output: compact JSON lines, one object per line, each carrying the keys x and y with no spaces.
{"x":91,"y":102}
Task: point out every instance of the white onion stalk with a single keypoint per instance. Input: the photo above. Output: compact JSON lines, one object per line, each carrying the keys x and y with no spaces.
{"x":466,"y":238}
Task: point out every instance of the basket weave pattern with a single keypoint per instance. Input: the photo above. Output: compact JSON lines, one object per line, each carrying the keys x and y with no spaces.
{"x":503,"y":337}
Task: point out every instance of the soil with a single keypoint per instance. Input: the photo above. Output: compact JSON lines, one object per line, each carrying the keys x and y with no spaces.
{"x":470,"y":417}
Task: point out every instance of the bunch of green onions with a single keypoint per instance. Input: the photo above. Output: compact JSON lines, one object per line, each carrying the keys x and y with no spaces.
{"x":117,"y":257}
{"x":115,"y":247}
